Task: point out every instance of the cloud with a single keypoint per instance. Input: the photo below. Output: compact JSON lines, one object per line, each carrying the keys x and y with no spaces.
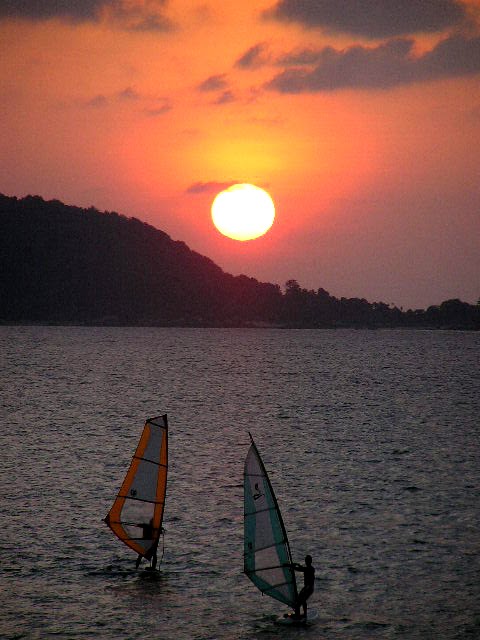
{"x":387,"y":65}
{"x":213,"y":83}
{"x":143,"y":15}
{"x":225,"y":97}
{"x":301,"y":57}
{"x":160,"y":110}
{"x":208,"y":187}
{"x":152,"y":22}
{"x":126,"y":96}
{"x":255,"y":57}
{"x":372,"y":18}
{"x":46,"y":9}
{"x":129,"y":94}
{"x":97,"y":102}
{"x":216,"y":83}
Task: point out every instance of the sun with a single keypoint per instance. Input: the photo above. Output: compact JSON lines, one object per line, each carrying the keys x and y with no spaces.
{"x":243,"y":212}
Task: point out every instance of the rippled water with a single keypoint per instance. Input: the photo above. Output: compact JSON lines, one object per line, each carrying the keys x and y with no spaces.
{"x":371,"y":439}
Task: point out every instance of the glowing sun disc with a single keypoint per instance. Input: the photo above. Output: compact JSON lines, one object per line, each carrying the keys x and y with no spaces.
{"x":243,"y":212}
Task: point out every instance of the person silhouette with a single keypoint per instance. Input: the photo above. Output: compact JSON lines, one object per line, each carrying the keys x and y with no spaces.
{"x":308,"y":585}
{"x":148,"y":531}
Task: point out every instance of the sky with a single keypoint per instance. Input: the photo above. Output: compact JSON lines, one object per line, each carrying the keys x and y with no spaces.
{"x":360,"y":118}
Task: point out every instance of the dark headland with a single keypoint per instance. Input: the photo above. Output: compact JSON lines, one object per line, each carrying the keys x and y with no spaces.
{"x":62,"y":264}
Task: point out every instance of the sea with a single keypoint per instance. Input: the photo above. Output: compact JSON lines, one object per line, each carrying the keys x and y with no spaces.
{"x":370,"y":437}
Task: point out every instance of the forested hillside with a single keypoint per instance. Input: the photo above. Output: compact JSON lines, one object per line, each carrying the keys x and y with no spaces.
{"x":63,"y":264}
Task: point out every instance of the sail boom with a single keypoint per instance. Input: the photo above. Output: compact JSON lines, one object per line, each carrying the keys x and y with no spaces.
{"x":276,"y":566}
{"x":273,"y":587}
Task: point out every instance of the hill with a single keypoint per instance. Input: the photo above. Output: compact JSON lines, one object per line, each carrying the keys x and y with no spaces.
{"x":63,"y":264}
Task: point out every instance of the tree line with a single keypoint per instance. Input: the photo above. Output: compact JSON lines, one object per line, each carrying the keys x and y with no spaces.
{"x":64,"y":264}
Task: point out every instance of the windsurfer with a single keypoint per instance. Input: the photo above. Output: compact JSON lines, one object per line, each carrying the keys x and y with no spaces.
{"x":308,"y":585}
{"x":148,"y":533}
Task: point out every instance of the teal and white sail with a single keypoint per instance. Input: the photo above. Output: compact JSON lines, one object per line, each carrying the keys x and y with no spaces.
{"x":267,"y":557}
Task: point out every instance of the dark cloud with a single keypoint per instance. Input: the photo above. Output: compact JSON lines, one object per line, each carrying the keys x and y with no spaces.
{"x":151,"y":22}
{"x":45,"y":9}
{"x":160,"y":109}
{"x":300,"y":57}
{"x":225,"y":97}
{"x":129,"y":94}
{"x":217,"y":83}
{"x":372,"y":18}
{"x":255,"y":57}
{"x":142,"y":16}
{"x":97,"y":102}
{"x":208,"y":187}
{"x":387,"y":65}
{"x":213,"y":83}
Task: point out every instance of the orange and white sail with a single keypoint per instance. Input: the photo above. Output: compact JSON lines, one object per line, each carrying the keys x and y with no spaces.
{"x":137,"y":514}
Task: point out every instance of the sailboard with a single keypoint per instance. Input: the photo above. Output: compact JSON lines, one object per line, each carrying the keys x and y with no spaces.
{"x":136,"y":515}
{"x":267,"y":557}
{"x":289,"y":620}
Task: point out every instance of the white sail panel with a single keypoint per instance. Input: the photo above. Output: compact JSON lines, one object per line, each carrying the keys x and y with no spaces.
{"x":267,"y":558}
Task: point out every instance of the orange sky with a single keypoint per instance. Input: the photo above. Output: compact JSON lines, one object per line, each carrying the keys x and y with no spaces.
{"x":363,"y":125}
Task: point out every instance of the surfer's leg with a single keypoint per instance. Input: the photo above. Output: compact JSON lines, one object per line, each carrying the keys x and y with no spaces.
{"x":139,"y":559}
{"x":153,"y":561}
{"x":307,"y":592}
{"x":299,"y":603}
{"x":304,"y":594}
